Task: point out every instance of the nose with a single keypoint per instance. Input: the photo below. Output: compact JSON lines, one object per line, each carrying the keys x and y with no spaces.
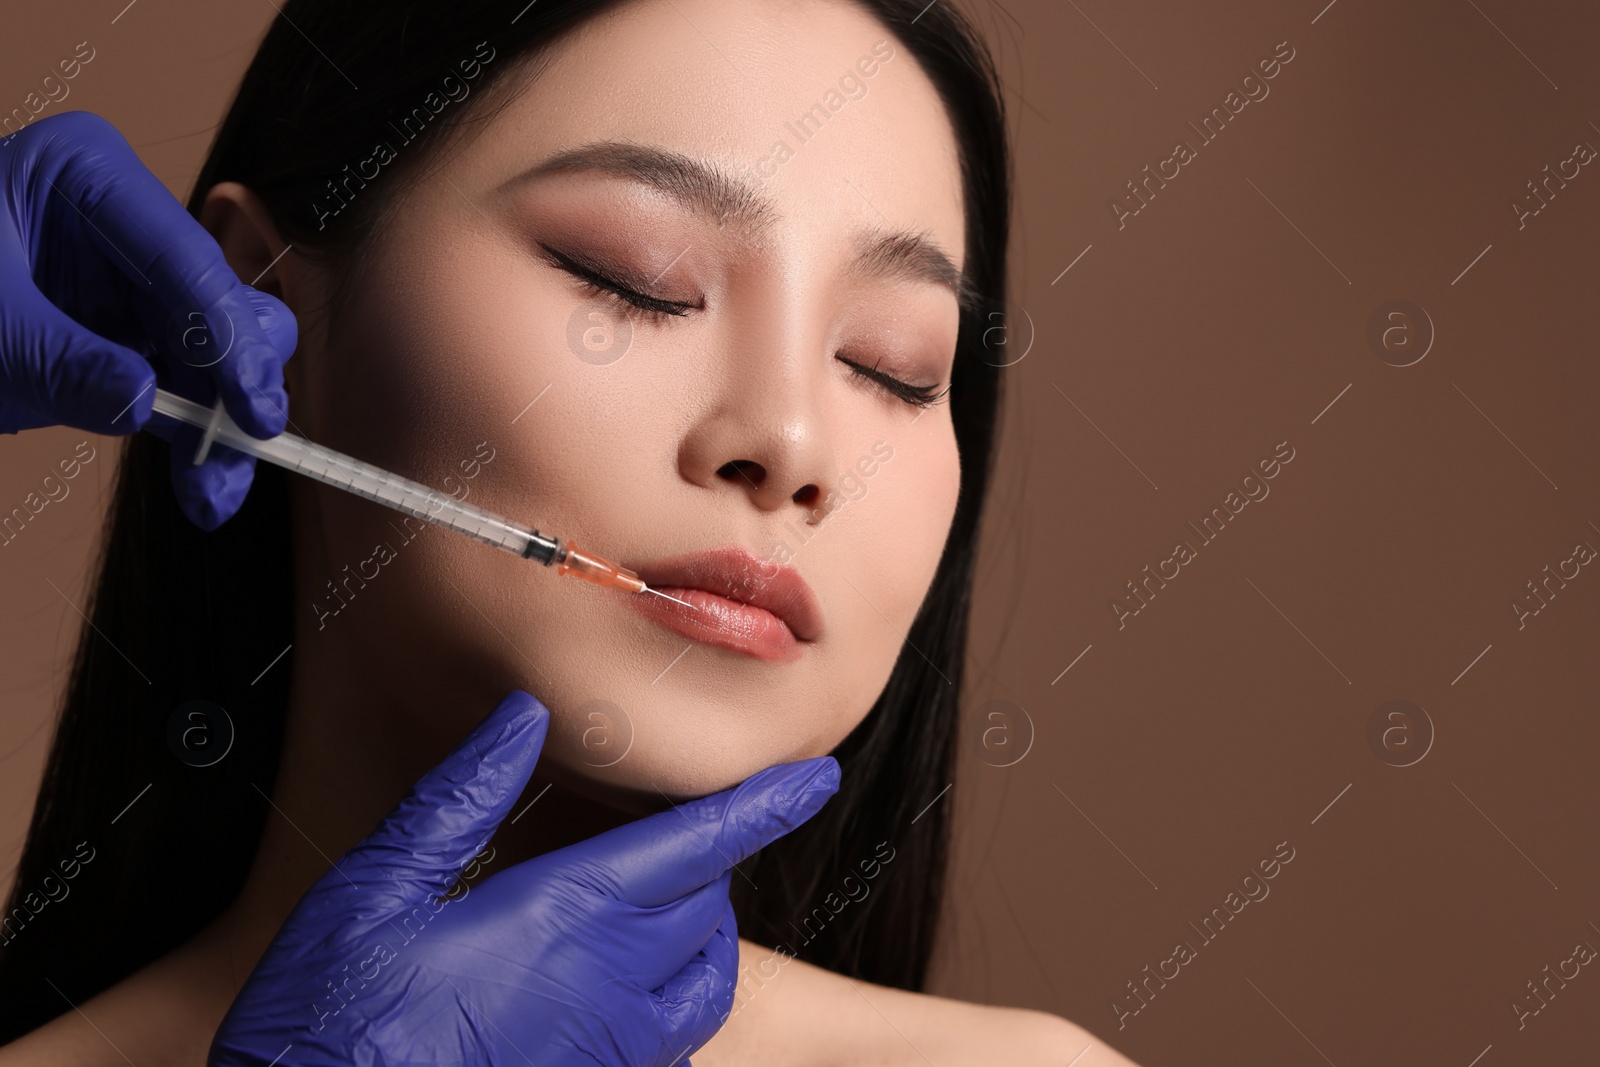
{"x":763,"y":437}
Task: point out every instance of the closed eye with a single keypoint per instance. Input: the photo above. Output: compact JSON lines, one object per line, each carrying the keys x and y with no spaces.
{"x":631,"y":302}
{"x":921,"y":396}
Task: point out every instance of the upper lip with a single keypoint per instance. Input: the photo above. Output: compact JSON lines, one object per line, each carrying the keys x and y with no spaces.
{"x":737,"y":574}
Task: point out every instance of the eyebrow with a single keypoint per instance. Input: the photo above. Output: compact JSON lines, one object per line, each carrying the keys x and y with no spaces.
{"x":708,"y":190}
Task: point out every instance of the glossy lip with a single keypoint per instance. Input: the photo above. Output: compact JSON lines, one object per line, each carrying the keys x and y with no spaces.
{"x":741,"y":602}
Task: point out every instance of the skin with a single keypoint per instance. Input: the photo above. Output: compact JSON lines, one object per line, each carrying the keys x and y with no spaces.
{"x":458,"y":323}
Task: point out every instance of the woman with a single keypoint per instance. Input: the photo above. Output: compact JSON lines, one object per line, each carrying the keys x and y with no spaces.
{"x":696,"y":283}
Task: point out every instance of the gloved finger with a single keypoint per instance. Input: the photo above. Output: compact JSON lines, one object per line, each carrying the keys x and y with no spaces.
{"x":277,"y":322}
{"x":449,"y":815}
{"x":650,"y":945}
{"x":209,"y":494}
{"x":242,"y":385}
{"x":144,"y":231}
{"x":695,"y":1003}
{"x":60,"y":373}
{"x":212,"y":492}
{"x":661,"y":857}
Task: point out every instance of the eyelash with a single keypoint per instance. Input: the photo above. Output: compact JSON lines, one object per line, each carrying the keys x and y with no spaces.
{"x":922,"y":396}
{"x":656,"y":311}
{"x":635,"y":305}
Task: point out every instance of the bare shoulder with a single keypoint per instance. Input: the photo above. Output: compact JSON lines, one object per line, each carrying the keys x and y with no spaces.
{"x":960,"y":1032}
{"x":164,"y":1013}
{"x":788,"y":1013}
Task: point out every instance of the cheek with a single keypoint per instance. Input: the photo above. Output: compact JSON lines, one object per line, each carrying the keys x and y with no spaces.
{"x":441,"y":341}
{"x":890,"y":542}
{"x":456,"y":351}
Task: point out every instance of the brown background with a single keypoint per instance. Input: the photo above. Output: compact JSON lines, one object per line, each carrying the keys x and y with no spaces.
{"x":1232,"y":713}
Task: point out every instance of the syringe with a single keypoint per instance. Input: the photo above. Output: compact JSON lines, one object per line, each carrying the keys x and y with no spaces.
{"x":365,"y":480}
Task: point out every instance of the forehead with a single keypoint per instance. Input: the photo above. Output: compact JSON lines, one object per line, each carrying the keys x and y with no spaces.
{"x":817,"y":112}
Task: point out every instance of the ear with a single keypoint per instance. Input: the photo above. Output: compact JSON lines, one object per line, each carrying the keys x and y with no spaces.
{"x":242,"y":226}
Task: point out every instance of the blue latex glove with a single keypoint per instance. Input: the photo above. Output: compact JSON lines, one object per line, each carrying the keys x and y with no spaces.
{"x":108,"y":287}
{"x":619,"y":951}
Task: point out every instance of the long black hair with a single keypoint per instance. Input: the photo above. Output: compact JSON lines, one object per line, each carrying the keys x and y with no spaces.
{"x":131,"y":851}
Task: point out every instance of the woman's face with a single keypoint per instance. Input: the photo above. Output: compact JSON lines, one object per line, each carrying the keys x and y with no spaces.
{"x":745,"y":168}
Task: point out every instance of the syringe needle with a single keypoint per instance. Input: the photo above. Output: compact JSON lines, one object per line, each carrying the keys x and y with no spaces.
{"x":674,"y":599}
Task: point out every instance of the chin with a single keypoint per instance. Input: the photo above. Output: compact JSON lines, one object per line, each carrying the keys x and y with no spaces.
{"x":641,"y":783}
{"x":683,"y":749}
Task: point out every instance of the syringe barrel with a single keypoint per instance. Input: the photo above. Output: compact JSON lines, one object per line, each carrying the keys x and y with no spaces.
{"x":391,"y":490}
{"x":425,"y":503}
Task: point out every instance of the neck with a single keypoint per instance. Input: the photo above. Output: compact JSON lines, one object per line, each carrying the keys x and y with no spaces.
{"x":353,"y":747}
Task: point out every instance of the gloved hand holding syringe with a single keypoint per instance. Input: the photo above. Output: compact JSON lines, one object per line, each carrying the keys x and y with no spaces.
{"x":346,"y":472}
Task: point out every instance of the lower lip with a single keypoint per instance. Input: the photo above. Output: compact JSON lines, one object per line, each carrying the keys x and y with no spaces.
{"x":716,"y":620}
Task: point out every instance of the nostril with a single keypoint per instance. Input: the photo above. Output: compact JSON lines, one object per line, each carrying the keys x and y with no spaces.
{"x":807,"y":495}
{"x":745,"y":470}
